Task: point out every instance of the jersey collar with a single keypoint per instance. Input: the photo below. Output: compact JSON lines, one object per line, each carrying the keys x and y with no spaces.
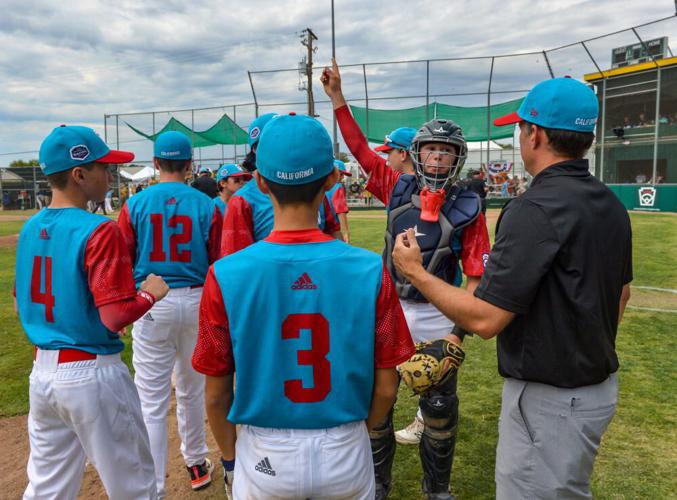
{"x":298,"y":236}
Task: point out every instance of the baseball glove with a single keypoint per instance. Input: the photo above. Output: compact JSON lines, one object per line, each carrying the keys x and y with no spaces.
{"x":433,"y":364}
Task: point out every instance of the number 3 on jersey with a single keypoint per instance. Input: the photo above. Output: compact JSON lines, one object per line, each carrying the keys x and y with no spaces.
{"x":46,"y":297}
{"x":315,"y":357}
{"x":158,"y":253}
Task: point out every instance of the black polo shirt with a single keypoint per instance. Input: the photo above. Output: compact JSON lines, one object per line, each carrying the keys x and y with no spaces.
{"x":562,"y":254}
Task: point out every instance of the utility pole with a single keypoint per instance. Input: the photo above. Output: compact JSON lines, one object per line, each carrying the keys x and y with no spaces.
{"x":307,"y":41}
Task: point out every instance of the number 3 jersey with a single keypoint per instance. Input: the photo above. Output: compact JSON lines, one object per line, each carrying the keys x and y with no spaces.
{"x":171,"y":230}
{"x":69,"y":263}
{"x":303,"y":320}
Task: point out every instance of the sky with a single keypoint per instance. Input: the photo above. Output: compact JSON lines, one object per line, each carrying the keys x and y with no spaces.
{"x":75,"y":62}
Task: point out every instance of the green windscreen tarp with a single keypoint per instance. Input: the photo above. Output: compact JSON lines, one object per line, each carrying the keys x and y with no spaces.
{"x":224,"y":131}
{"x":473,"y":121}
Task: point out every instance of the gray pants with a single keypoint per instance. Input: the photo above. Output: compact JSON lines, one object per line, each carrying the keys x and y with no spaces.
{"x":548,"y":438}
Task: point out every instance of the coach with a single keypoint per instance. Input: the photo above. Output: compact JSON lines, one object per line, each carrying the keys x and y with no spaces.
{"x":555,"y":287}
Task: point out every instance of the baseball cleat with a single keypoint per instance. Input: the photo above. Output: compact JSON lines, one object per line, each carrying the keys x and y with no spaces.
{"x":410,"y":434}
{"x":201,"y":474}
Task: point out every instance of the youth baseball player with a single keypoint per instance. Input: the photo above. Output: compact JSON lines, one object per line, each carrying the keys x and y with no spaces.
{"x":74,"y":292}
{"x":173,"y":230}
{"x":396,"y":148}
{"x":337,"y":198}
{"x":250,"y":213}
{"x":230,"y":178}
{"x":305,"y":387}
{"x":451,"y":229}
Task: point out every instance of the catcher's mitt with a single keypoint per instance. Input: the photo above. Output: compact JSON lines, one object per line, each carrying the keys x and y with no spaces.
{"x":434,"y":363}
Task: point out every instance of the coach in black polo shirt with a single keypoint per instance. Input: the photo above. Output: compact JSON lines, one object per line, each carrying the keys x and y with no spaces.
{"x":554,"y":290}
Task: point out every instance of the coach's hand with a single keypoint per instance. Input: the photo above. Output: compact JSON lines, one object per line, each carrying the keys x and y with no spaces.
{"x":407,"y":255}
{"x":331,"y":80}
{"x":155,"y":285}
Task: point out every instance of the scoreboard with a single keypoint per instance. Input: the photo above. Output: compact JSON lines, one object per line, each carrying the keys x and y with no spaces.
{"x":639,"y":53}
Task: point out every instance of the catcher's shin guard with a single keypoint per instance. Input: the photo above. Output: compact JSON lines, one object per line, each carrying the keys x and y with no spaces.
{"x":383,"y":452}
{"x":439,"y":407}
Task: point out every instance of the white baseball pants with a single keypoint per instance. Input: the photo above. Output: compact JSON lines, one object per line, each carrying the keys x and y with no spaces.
{"x":86,"y":410}
{"x":425,"y":321}
{"x":163,"y":341}
{"x":299,"y":464}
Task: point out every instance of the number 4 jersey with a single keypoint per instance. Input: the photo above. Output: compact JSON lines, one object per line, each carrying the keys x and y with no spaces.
{"x":70,"y":262}
{"x":171,"y":230}
{"x":303,"y":320}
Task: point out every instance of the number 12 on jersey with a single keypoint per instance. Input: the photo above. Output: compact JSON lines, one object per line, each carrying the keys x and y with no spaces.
{"x":158,"y":253}
{"x":315,"y":357}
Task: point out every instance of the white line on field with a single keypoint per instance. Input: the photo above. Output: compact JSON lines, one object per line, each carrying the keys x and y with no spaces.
{"x":669,"y":290}
{"x":653,"y":309}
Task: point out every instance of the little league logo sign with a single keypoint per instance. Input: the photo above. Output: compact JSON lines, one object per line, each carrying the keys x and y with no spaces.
{"x":647,"y":196}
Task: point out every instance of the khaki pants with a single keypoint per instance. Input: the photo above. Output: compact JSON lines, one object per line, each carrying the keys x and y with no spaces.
{"x":548,"y":438}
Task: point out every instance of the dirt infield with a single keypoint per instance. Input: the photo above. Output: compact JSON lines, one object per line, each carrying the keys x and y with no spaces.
{"x":8,"y":241}
{"x":13,"y":460}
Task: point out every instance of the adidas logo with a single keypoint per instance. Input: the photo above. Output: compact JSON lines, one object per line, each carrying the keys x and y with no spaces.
{"x":265,"y":467}
{"x":171,"y":201}
{"x":304,"y":283}
{"x":43,"y":234}
{"x":148,"y":317}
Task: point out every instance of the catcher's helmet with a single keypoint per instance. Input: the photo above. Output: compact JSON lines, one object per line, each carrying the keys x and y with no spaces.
{"x":438,"y":131}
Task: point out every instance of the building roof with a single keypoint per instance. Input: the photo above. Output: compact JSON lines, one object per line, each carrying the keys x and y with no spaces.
{"x":635,"y":68}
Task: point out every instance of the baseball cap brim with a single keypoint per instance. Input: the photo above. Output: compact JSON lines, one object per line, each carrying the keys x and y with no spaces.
{"x":240,"y":174}
{"x":383,"y":148}
{"x":115,"y":156}
{"x":345,"y":172}
{"x":510,"y":119}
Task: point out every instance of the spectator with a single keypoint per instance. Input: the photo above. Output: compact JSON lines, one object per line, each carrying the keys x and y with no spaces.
{"x":108,"y":201}
{"x":206,"y":183}
{"x":478,"y":185}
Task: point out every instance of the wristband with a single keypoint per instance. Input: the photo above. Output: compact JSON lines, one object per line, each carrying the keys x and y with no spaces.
{"x":228,"y":465}
{"x":147,"y":295}
{"x":460,"y":332}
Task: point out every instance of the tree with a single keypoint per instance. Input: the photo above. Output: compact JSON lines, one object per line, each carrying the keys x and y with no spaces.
{"x":23,"y":163}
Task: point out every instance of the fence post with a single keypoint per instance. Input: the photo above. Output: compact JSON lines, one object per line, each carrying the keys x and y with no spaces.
{"x":366,"y":100}
{"x":657,"y":125}
{"x":427,"y":89}
{"x":234,"y":135}
{"x":256,"y":103}
{"x":491,"y":76}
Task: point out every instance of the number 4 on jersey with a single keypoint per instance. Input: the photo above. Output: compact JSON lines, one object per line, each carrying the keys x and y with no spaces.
{"x":37,"y":296}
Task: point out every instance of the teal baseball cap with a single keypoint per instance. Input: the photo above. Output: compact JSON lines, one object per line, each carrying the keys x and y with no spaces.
{"x":294,"y":149}
{"x":400,"y":138}
{"x":342,"y":168}
{"x":256,"y":127}
{"x":231,"y":170}
{"x":70,"y":146}
{"x":173,"y":145}
{"x":559,"y":103}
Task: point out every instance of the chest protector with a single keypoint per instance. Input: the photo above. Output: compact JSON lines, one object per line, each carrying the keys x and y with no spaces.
{"x":440,"y":241}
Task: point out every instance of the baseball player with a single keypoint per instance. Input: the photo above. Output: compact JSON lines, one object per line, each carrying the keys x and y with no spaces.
{"x":337,"y":198}
{"x":74,"y":291}
{"x":304,"y":386}
{"x":451,"y":229}
{"x":250,"y":213}
{"x":396,"y":148}
{"x":230,"y":178}
{"x":205,"y":182}
{"x":173,"y":230}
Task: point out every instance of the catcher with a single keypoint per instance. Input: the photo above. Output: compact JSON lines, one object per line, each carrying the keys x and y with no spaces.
{"x":451,"y":231}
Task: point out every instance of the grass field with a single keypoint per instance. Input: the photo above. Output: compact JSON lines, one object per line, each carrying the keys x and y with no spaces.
{"x":639,"y":452}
